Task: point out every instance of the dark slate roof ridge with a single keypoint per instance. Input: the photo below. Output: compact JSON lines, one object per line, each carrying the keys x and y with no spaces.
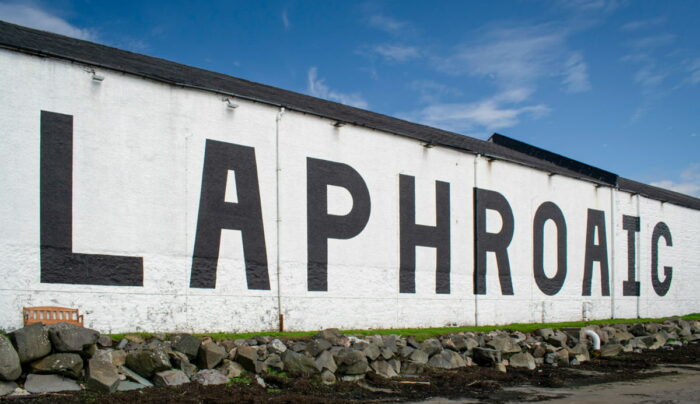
{"x":48,"y":44}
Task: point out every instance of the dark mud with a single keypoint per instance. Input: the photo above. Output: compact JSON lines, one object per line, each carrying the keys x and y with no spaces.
{"x":478,"y":383}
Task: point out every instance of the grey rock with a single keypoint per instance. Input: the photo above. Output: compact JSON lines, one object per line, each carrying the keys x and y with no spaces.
{"x":208,"y":377}
{"x":575,"y":362}
{"x":410,"y":341}
{"x":538,"y":351}
{"x":387,"y":353}
{"x":501,"y":367}
{"x":31,"y":342}
{"x":248,"y":357}
{"x":558,"y":339}
{"x":412,"y":368}
{"x":522,"y":360}
{"x":635,"y":343}
{"x":351,"y":362}
{"x":486,"y":356}
{"x":146,"y":362}
{"x":325,"y":361}
{"x":134,"y":376}
{"x":395,"y":364}
{"x":276,"y":346}
{"x":654,"y":341}
{"x":66,"y":364}
{"x":274,"y":361}
{"x":210,"y":355}
{"x":105,"y":341}
{"x":545,"y":333}
{"x":315,"y":347}
{"x":610,"y":350}
{"x":127,"y":385}
{"x":295,"y":362}
{"x":419,"y":356}
{"x":391,"y":342}
{"x":102,"y":376}
{"x":431,"y":346}
{"x":230,"y":369}
{"x":406,"y":351}
{"x":327,"y":377}
{"x":260,"y":381}
{"x":298,"y":346}
{"x":447,"y":359}
{"x":7,"y":387}
{"x":49,"y":384}
{"x":118,"y":357}
{"x":638,"y":330}
{"x":136,"y":338}
{"x":187,"y":344}
{"x":67,"y":337}
{"x":123,"y":343}
{"x":622,"y":335}
{"x":372,"y":351}
{"x":504,"y":344}
{"x":383,"y":369}
{"x":352,"y":378}
{"x":331,"y":335}
{"x":10,"y":367}
{"x":170,"y":378}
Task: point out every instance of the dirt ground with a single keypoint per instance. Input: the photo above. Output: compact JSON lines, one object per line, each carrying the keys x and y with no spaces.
{"x":472,"y":384}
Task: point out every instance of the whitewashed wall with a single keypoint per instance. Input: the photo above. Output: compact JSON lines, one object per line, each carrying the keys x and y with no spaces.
{"x":138,"y":156}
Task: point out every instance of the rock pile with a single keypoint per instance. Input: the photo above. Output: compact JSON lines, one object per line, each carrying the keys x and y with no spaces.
{"x":65,"y":357}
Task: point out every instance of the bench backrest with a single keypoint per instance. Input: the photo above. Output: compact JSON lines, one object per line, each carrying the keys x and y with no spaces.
{"x":48,"y":315}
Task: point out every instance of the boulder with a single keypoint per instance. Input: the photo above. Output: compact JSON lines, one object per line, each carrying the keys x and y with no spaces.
{"x":419,"y":356}
{"x":326,"y":361}
{"x":170,"y":378}
{"x":248,"y":357}
{"x":67,"y":337}
{"x":522,"y":360}
{"x":277,"y":346}
{"x":331,"y":335}
{"x":295,"y":362}
{"x":545,"y":333}
{"x":638,"y":330}
{"x":558,"y":339}
{"x":486,"y":356}
{"x":10,"y":367}
{"x":230,"y":369}
{"x":315,"y":347}
{"x":146,"y":362}
{"x":431,"y":346}
{"x":105,"y":341}
{"x":49,"y":384}
{"x":66,"y":364}
{"x":31,"y":342}
{"x":7,"y":388}
{"x":654,"y":341}
{"x":208,"y":377}
{"x":372,"y":351}
{"x":127,"y":385}
{"x":134,"y":376}
{"x":391,"y":342}
{"x":352,"y":362}
{"x":273,"y":361}
{"x":102,"y":376}
{"x":610,"y":350}
{"x":504,"y":344}
{"x":447,"y":359}
{"x":327,"y":377}
{"x":135,"y":338}
{"x":210,"y":355}
{"x":383,"y":369}
{"x":187,"y":344}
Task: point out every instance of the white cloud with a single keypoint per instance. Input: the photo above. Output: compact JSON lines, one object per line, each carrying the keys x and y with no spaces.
{"x":592,"y":6}
{"x":489,"y":114}
{"x":388,"y":24}
{"x":431,"y":91}
{"x":397,"y":53}
{"x":576,"y":74}
{"x":653,"y":41}
{"x":32,"y":16}
{"x":689,"y":183}
{"x":285,"y":20}
{"x":694,"y":69}
{"x":318,"y":88}
{"x":642,"y":24}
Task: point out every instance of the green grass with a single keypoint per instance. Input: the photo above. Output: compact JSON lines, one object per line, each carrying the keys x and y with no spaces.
{"x":274,"y":390}
{"x":421,"y":334}
{"x":240,"y":380}
{"x":277,"y":373}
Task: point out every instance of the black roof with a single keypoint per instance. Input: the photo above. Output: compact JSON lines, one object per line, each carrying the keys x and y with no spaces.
{"x":47,"y":44}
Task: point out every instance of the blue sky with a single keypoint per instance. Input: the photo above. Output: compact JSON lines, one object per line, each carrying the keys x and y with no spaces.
{"x":615,"y":84}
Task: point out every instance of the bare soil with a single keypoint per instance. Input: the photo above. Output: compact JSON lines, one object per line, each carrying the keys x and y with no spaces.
{"x":471,"y":383}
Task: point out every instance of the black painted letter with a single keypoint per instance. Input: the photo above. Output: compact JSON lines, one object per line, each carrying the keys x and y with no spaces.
{"x":59,"y":264}
{"x":596,"y":251}
{"x":630,"y":287}
{"x":548,"y":211}
{"x":661,"y":288}
{"x":216,"y":214}
{"x":412,"y":235}
{"x":496,"y":242}
{"x":320,"y":224}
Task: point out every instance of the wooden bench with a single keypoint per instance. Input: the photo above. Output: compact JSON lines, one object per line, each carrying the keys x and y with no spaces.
{"x":51,"y":315}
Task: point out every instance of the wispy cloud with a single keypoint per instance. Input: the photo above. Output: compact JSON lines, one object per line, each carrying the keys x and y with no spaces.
{"x":652,"y":41}
{"x":431,"y":91}
{"x":694,"y":70}
{"x":576,"y":74}
{"x":688,"y":183}
{"x":318,"y":88}
{"x":33,"y":16}
{"x":642,"y":24}
{"x":387,"y":24}
{"x":592,"y":6}
{"x":397,"y":53}
{"x":285,"y":20}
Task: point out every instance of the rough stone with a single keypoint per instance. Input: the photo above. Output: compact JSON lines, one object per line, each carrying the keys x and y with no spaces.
{"x":134,"y":376}
{"x":31,"y":342}
{"x":372,"y":351}
{"x":447,"y":359}
{"x":295,"y":362}
{"x":66,"y":364}
{"x":102,"y":376}
{"x":545,"y":333}
{"x":327,"y":377}
{"x":127,"y":385}
{"x":10,"y":367}
{"x":654,"y":341}
{"x":105,"y":341}
{"x":135,"y":338}
{"x":187,"y":344}
{"x":230,"y":369}
{"x":118,"y":357}
{"x":391,"y":343}
{"x":638,"y":330}
{"x":170,"y":378}
{"x":49,"y":384}
{"x":67,"y":337}
{"x":146,"y":362}
{"x":208,"y":377}
{"x":395,"y":364}
{"x":331,"y":335}
{"x":406,"y":351}
{"x":622,"y":335}
{"x":501,"y":367}
{"x":610,"y":350}
{"x":486,"y":356}
{"x":522,"y":360}
{"x":325,"y":361}
{"x":382,"y":368}
{"x":504,"y":344}
{"x":352,"y":378}
{"x":276,"y":346}
{"x":419,"y":356}
{"x":558,"y":339}
{"x":431,"y":346}
{"x":210,"y":355}
{"x":351,"y":362}
{"x":315,"y":347}
{"x":7,"y":387}
{"x":247,"y":357}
